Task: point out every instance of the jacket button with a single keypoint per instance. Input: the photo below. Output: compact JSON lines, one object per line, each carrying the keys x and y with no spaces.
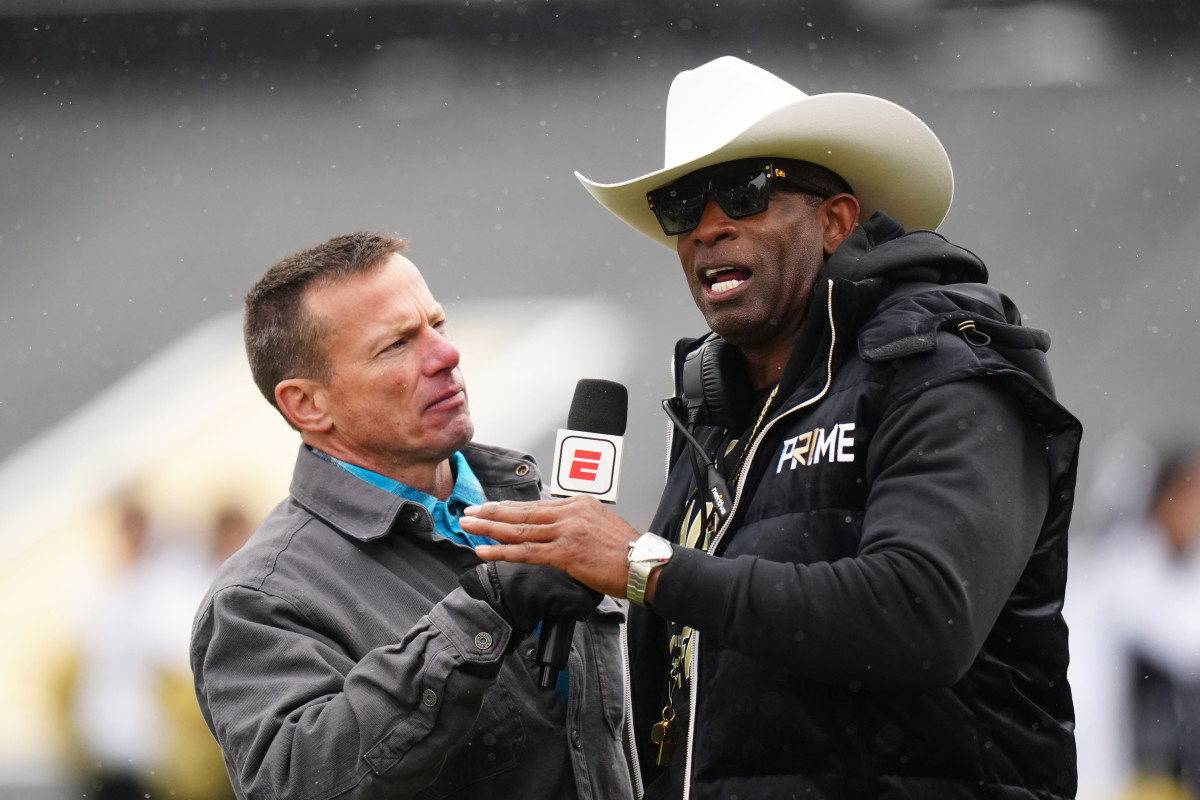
{"x":522,"y":470}
{"x":576,"y":740}
{"x":429,"y":698}
{"x":483,"y":640}
{"x":414,"y":516}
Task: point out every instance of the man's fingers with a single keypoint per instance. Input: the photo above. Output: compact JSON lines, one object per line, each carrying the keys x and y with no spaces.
{"x":506,"y":532}
{"x":577,"y":535}
{"x":528,"y":528}
{"x":538,"y":512}
{"x":519,"y":553}
{"x":511,"y":522}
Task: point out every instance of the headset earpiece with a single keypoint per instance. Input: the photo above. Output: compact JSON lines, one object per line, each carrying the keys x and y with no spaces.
{"x":715,"y":389}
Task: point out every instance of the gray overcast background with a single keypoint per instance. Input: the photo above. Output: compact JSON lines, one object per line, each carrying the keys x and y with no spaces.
{"x":152,"y":165}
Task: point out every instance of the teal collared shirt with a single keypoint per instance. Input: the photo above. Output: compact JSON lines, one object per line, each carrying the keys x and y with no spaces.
{"x":467,"y":492}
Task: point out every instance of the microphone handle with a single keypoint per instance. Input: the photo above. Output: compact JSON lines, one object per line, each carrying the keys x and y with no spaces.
{"x":554,"y":648}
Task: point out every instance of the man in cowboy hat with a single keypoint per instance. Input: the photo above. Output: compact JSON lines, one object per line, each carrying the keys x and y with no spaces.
{"x":855,"y":579}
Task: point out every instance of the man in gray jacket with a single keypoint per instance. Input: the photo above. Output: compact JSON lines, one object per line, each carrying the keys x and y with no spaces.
{"x":356,"y":647}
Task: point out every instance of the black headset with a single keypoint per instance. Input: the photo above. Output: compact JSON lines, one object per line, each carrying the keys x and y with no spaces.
{"x":713,"y":384}
{"x":713,"y":391}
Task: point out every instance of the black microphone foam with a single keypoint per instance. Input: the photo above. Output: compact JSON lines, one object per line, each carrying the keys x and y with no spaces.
{"x":599,"y":406}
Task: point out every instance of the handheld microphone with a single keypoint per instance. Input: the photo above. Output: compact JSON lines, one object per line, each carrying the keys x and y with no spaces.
{"x":587,"y":456}
{"x":587,"y":461}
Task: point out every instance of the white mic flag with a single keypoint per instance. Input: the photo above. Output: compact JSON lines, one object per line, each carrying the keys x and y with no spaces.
{"x":587,"y":455}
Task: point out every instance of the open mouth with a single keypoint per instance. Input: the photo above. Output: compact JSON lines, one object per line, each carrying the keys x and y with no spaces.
{"x":724,"y":279}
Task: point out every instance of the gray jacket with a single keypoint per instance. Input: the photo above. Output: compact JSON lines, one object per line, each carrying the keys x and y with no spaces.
{"x":336,"y":656}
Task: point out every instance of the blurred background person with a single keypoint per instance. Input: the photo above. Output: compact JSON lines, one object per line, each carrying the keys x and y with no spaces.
{"x":231,"y":528}
{"x":129,"y":721}
{"x":1136,"y":620}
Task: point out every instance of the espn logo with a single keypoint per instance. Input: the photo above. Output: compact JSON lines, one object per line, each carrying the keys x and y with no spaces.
{"x":586,"y":463}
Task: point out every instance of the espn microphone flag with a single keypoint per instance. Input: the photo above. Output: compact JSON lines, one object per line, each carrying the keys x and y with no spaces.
{"x":587,"y":455}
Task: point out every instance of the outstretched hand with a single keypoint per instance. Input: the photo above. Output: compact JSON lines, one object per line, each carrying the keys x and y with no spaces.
{"x":578,"y":535}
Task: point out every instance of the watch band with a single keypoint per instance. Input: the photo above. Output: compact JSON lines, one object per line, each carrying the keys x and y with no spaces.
{"x":635,"y":586}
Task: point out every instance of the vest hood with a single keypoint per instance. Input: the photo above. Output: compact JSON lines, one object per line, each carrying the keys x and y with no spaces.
{"x":880,"y":248}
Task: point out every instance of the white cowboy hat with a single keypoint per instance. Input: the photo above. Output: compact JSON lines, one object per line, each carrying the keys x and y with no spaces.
{"x":727,"y":109}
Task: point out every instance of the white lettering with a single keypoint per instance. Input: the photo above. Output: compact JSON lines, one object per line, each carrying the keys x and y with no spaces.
{"x":845,"y":442}
{"x":834,"y":444}
{"x":717,"y":499}
{"x":788,"y":447}
{"x":824,"y":445}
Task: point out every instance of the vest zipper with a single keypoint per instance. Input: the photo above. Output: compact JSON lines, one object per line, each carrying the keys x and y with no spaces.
{"x":635,"y":766}
{"x":670,"y":427}
{"x":630,"y":740}
{"x":694,"y":665}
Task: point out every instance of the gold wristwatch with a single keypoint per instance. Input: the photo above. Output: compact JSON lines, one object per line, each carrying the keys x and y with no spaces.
{"x":646,"y":553}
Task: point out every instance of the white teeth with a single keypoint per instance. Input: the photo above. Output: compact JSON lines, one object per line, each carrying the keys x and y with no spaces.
{"x":721,"y":286}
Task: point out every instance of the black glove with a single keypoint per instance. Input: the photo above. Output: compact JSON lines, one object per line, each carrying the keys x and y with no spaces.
{"x":525,"y":594}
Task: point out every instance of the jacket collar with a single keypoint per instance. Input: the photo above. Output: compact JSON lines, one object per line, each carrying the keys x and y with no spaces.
{"x":350,"y":504}
{"x":861,"y":274}
{"x":880,"y":248}
{"x":505,"y":474}
{"x":366,"y":512}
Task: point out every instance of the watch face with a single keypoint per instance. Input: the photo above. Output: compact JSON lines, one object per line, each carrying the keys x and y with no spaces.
{"x":651,"y":548}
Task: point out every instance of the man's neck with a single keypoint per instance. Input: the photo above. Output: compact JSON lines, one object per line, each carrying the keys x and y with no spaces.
{"x":435,"y":479}
{"x":765,"y":364}
{"x":766,"y":360}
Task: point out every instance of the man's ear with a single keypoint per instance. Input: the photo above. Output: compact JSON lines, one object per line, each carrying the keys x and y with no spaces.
{"x":302,"y":401}
{"x":840,"y":215}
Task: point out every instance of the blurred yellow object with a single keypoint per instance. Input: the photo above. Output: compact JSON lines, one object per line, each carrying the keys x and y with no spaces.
{"x":1156,"y":787}
{"x":192,"y":765}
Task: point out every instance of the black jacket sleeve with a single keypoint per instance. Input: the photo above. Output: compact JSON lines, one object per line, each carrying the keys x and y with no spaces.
{"x":958,"y":489}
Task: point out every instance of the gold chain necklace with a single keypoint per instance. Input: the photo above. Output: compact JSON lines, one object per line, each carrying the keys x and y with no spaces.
{"x":746,"y":447}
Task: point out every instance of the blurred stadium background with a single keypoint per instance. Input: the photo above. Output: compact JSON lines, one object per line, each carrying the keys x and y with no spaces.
{"x":156,"y":158}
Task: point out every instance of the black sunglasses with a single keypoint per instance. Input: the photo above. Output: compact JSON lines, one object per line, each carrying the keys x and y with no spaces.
{"x":742,"y":188}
